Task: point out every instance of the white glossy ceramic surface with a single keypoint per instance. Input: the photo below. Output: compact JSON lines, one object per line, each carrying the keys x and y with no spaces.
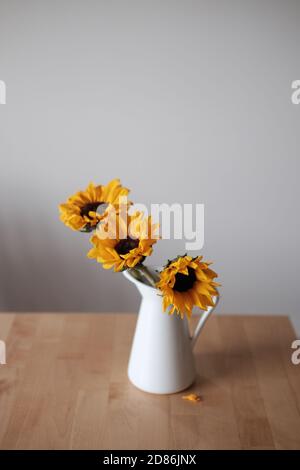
{"x":161,"y":359}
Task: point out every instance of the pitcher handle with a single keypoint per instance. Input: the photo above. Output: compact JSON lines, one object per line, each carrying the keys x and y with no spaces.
{"x":203,"y":319}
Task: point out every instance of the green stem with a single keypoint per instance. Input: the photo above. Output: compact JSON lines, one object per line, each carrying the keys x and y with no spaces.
{"x":146,"y":274}
{"x":136,"y":274}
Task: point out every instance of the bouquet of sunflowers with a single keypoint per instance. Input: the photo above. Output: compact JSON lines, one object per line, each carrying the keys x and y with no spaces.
{"x":122,"y":239}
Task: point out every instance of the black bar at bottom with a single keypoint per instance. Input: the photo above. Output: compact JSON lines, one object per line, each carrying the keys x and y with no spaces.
{"x":136,"y":458}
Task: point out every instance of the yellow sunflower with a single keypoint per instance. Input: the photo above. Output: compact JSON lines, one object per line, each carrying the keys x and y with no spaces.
{"x":127,"y":245}
{"x":187,"y":282}
{"x":85,"y":209}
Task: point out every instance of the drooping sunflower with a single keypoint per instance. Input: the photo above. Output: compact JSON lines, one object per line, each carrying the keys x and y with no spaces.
{"x":186,"y":282}
{"x":126,"y":246}
{"x":85,"y":209}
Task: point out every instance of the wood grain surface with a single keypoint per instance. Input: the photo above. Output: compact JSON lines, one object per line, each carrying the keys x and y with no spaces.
{"x":65,"y":386}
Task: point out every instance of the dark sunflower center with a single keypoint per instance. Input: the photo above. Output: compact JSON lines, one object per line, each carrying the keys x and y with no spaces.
{"x":124,"y":246}
{"x":92,"y":207}
{"x":184,"y":282}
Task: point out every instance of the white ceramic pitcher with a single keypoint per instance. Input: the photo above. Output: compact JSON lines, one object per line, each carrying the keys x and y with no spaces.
{"x":161,"y":359}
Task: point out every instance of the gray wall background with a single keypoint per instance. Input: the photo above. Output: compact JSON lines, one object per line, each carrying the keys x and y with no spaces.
{"x":185,"y":101}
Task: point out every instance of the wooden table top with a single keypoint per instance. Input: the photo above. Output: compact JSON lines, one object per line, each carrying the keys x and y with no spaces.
{"x":65,"y":386}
